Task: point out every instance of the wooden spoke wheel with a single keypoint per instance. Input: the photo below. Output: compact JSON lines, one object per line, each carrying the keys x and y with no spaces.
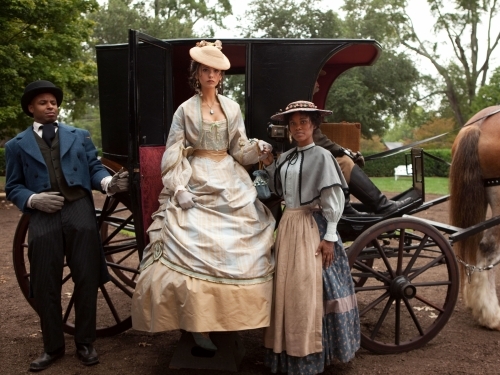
{"x":122,"y":258}
{"x":410,"y":284}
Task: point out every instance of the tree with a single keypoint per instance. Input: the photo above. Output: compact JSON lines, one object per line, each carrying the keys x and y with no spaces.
{"x":163,"y":19}
{"x":369,"y":95}
{"x":375,"y":96}
{"x":43,"y":39}
{"x":489,"y":94}
{"x":460,"y":78}
{"x":290,"y":19}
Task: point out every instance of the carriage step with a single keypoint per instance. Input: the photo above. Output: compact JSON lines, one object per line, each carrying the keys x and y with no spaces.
{"x":188,"y":355}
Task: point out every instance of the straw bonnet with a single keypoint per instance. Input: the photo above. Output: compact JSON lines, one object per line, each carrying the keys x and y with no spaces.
{"x":37,"y":88}
{"x":210,"y":54}
{"x":299,"y":106}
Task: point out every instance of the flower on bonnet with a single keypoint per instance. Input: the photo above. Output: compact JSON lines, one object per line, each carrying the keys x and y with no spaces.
{"x":217,"y":44}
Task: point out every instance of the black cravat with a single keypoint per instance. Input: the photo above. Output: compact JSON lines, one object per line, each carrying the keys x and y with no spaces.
{"x":48,"y":133}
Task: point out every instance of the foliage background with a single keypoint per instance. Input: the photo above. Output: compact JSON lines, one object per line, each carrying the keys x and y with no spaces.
{"x":394,"y":100}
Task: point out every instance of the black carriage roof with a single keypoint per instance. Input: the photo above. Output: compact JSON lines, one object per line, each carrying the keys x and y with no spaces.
{"x":277,"y":72}
{"x":347,"y":53}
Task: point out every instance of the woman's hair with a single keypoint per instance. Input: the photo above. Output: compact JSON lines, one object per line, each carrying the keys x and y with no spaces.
{"x":315,"y":117}
{"x":193,"y":78}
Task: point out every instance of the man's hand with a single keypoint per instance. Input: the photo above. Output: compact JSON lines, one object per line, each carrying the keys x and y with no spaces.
{"x":49,"y":202}
{"x":185,"y":199}
{"x":119,"y":182}
{"x":359,"y":159}
{"x":326,"y":250}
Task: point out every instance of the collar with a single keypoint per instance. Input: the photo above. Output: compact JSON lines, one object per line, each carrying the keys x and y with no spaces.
{"x":303,"y":148}
{"x":36,"y":126}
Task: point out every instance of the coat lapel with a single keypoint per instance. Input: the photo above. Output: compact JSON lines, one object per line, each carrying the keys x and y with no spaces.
{"x":67,"y":137}
{"x":28,"y":144}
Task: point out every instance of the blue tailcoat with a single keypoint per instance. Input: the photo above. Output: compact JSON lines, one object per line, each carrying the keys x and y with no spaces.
{"x":28,"y":174}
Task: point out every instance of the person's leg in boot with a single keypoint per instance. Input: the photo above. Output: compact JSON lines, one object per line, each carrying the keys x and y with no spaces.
{"x":346,"y":164}
{"x":350,"y":210}
{"x":363,"y":189}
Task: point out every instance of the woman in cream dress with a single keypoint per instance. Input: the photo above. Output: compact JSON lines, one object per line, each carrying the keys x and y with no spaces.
{"x":208,"y":266}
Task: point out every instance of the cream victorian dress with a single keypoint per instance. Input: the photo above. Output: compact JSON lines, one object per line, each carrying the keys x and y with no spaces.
{"x":208,"y":268}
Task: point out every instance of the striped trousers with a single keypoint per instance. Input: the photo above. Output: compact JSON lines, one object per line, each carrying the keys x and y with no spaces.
{"x":71,"y":233}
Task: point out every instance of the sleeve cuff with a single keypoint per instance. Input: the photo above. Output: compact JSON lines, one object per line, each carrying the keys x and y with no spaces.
{"x":179,"y":188}
{"x":28,"y":204}
{"x":105,"y":183}
{"x":331,"y":232}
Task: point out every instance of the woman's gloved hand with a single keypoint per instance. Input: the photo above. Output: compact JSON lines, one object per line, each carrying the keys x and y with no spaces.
{"x":264,"y":149}
{"x":185,"y":199}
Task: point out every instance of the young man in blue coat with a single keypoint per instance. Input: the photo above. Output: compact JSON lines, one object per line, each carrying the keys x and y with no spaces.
{"x":52,"y":169}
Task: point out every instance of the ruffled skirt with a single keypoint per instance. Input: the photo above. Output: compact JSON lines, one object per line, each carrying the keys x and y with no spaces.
{"x":210,"y":267}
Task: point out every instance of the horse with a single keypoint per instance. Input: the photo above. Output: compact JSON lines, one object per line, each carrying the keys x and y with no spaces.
{"x":475,"y":185}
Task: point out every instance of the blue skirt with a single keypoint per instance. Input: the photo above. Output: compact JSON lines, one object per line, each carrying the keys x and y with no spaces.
{"x":340,"y":332}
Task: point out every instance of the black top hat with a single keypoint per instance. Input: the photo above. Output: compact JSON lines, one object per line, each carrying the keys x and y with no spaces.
{"x":37,"y":88}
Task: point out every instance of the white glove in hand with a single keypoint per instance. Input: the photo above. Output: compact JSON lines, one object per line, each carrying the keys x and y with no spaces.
{"x":119,"y":182}
{"x":185,"y":199}
{"x":265,"y":149}
{"x":48,"y":202}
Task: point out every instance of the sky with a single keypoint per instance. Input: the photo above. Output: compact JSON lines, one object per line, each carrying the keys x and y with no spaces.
{"x":418,"y":10}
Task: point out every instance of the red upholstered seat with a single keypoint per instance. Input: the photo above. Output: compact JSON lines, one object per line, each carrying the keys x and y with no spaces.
{"x":151,"y":184}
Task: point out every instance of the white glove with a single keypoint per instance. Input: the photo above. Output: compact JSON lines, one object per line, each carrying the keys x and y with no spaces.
{"x":185,"y":199}
{"x":119,"y":182}
{"x":265,"y":149}
{"x":49,"y":202}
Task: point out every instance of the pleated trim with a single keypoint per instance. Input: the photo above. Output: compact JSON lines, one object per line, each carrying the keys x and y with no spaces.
{"x":219,"y":280}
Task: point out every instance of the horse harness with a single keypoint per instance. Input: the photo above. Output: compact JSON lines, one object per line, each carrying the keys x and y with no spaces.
{"x":495,"y":181}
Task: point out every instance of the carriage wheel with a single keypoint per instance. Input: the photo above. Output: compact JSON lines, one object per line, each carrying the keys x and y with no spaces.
{"x":359,"y":277}
{"x":411,"y":284}
{"x":122,"y":258}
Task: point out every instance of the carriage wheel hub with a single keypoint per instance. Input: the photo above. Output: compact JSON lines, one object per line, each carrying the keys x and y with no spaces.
{"x":401,"y":287}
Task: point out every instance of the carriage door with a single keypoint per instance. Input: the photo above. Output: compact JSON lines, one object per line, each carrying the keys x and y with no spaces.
{"x":150,"y":111}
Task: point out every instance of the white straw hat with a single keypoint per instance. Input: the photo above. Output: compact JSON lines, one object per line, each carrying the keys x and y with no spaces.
{"x":299,"y":106}
{"x":210,"y":54}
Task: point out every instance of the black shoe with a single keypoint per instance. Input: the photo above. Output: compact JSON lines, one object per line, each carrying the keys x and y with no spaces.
{"x":86,"y":354}
{"x":46,"y":359}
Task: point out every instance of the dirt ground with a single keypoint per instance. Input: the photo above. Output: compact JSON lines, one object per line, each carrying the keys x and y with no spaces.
{"x":462,"y":347}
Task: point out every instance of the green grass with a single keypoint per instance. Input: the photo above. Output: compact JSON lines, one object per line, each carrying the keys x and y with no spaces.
{"x":433,"y":185}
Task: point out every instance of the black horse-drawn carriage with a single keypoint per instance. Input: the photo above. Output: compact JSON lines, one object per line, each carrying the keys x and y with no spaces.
{"x":405,"y":271}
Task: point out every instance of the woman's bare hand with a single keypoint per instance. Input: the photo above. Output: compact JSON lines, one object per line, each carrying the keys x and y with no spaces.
{"x":326,"y":250}
{"x":267,"y":158}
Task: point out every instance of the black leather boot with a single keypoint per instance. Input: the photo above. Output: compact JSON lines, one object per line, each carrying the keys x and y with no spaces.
{"x":350,"y":210}
{"x":363,"y":188}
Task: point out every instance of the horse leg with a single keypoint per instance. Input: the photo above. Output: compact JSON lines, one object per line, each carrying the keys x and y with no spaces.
{"x":480,"y":295}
